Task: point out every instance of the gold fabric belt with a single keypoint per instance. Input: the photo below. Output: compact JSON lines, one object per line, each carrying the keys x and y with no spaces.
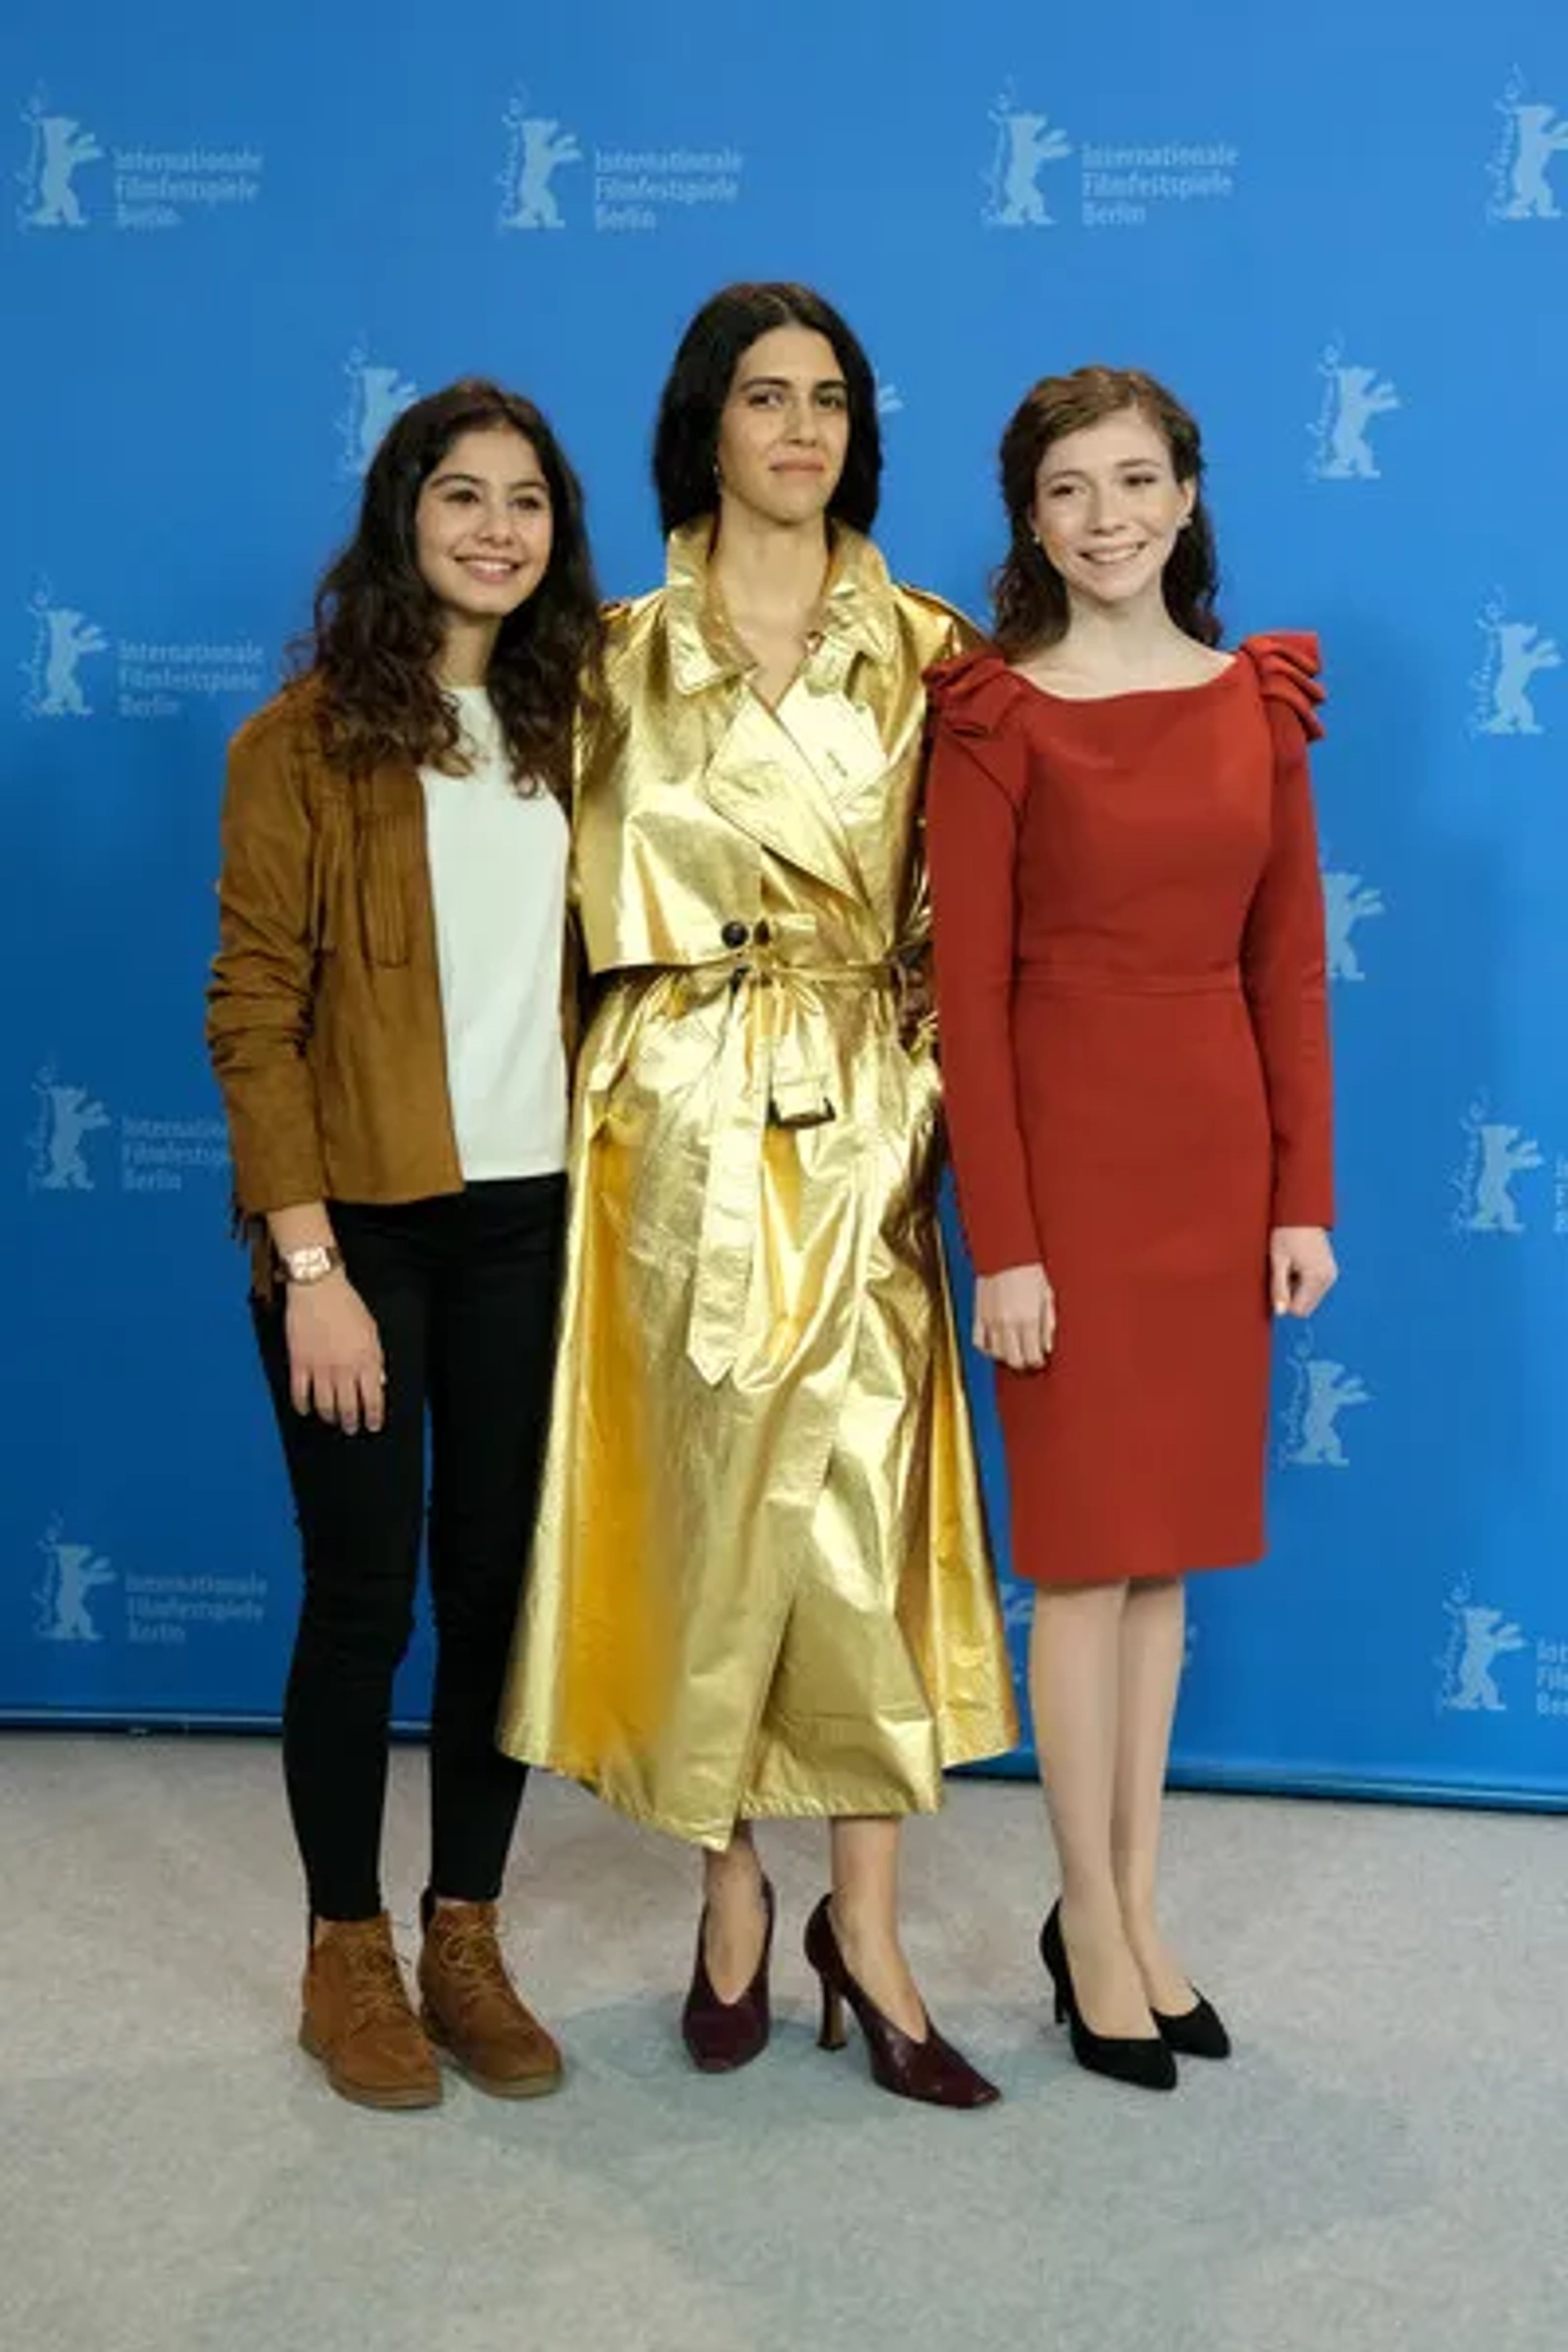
{"x":758,"y":965}
{"x":765,"y":1076}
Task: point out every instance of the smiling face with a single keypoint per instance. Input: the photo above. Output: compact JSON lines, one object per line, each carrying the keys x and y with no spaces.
{"x":1108,"y":507}
{"x":784,"y":431}
{"x":483,"y":527}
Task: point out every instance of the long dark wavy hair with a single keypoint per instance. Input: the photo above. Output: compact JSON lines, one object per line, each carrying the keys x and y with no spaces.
{"x":1027,"y":593}
{"x":685,"y":438}
{"x":377,"y":632}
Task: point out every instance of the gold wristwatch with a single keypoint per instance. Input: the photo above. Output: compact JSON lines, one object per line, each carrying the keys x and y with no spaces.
{"x":312,"y":1263}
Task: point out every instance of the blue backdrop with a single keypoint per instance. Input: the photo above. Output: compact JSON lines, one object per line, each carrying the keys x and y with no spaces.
{"x":238,"y":242}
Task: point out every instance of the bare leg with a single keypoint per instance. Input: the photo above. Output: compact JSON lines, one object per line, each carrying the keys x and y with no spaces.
{"x":1153,"y":1634}
{"x":1075,"y":1654}
{"x":866,"y":1918}
{"x":736,"y":1918}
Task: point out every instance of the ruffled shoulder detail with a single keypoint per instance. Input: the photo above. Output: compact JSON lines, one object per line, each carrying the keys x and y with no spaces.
{"x":1288,"y":667}
{"x":973,"y":695}
{"x":973,"y":725}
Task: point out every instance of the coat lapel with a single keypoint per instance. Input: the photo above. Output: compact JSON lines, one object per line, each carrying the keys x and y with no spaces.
{"x":787,"y":778}
{"x":761,"y":780}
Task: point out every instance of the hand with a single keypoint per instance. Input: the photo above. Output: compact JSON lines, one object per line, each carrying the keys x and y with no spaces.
{"x":1301,"y":1269}
{"x":1016,"y":1317}
{"x":334,"y":1354}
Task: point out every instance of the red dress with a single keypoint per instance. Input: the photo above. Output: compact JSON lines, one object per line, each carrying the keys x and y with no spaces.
{"x":1131,"y":989}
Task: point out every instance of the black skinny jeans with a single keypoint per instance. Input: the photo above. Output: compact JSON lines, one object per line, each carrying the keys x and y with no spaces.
{"x":464,"y":1292}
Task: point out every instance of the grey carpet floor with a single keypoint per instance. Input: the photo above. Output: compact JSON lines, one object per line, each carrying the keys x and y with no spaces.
{"x":1383,"y":2165}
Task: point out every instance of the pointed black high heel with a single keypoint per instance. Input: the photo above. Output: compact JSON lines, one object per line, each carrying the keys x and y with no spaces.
{"x":1196,"y":2032}
{"x":1143,"y":2060}
{"x":931,"y":2070}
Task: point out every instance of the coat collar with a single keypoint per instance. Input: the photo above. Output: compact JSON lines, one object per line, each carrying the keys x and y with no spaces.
{"x":857,"y":613}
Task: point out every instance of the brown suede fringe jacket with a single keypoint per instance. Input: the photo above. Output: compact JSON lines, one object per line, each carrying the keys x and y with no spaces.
{"x":325,"y":1020}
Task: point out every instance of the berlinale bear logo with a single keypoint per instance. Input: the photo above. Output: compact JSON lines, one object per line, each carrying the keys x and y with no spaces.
{"x":1347,"y":901}
{"x":1352,"y":396}
{"x":1532,"y":135}
{"x":58,"y":147}
{"x":377,"y":398}
{"x":71,"y":1571}
{"x":1322,"y":1389}
{"x":66,"y":1116}
{"x":1480,"y":1636}
{"x":537,"y":147}
{"x":1026,"y":144}
{"x":1496,"y":1152}
{"x":62,"y":639}
{"x":1515,"y":652}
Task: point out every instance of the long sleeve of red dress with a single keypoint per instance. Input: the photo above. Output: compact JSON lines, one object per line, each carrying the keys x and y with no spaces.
{"x":974,"y":796}
{"x":1282,"y":960}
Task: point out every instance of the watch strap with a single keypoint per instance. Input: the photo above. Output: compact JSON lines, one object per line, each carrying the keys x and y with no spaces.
{"x":312,"y":1263}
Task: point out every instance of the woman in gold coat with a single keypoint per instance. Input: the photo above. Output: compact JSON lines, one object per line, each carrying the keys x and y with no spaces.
{"x":761,"y":1585}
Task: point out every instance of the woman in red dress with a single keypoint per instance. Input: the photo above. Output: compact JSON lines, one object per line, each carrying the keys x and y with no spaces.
{"x":1130,"y":990}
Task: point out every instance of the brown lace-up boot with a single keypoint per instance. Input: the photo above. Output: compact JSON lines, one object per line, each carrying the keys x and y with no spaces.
{"x":469,"y":2006}
{"x":357,"y":2021}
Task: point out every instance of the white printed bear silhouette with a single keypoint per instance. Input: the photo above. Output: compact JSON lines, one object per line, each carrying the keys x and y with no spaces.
{"x":543,"y":153}
{"x":65,"y":146}
{"x":1359,"y":396}
{"x":1346,"y":904}
{"x":1330,"y":1390}
{"x":384,"y":396}
{"x":1539,"y":134}
{"x":71,"y":1113}
{"x":73,"y":1572}
{"x":1521,"y":651}
{"x":1486,"y":1638}
{"x":1506,"y":1152}
{"x":68,"y":636}
{"x":1030,"y":141}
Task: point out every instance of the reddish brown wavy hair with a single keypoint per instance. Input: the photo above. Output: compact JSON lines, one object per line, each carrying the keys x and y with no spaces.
{"x":1028,"y":595}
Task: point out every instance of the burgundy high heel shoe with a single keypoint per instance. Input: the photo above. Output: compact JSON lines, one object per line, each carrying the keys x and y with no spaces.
{"x":931,"y":2070}
{"x":721,"y":2035}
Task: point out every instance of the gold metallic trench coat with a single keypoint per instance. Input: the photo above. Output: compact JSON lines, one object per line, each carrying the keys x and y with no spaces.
{"x":761,"y":1583}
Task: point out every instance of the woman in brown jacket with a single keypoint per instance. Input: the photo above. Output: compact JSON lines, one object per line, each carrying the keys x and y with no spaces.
{"x":385,"y":1019}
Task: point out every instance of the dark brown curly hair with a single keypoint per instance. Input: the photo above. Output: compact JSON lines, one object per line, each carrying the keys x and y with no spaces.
{"x":1027,"y":595}
{"x":377,"y":629}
